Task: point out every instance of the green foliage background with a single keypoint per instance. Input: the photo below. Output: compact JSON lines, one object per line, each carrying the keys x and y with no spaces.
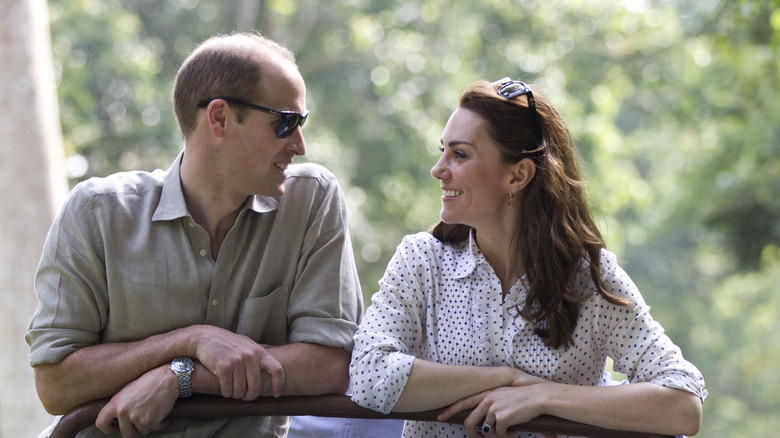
{"x":675,"y":106}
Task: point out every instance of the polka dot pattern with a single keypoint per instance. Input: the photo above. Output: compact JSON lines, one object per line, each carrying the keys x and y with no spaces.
{"x":443,"y":303}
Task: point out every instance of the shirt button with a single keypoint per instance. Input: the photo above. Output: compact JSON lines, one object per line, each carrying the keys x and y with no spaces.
{"x":202,"y":253}
{"x":214,"y":302}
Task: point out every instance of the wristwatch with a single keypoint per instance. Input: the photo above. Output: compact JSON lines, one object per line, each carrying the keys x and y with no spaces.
{"x":182,"y":367}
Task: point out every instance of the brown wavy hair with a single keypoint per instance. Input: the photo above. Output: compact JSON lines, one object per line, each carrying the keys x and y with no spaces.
{"x":556,"y":233}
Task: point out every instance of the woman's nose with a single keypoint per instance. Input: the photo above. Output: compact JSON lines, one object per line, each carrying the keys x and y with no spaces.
{"x":438,"y":170}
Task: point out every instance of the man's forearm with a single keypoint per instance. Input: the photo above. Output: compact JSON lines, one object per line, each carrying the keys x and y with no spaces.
{"x":312,"y":369}
{"x":102,"y":370}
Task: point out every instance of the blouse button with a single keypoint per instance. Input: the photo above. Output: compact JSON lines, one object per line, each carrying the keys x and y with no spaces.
{"x":214,"y":302}
{"x":202,"y":253}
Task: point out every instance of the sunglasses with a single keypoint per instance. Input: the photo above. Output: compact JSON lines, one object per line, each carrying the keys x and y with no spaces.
{"x":288,"y":120}
{"x":510,"y":89}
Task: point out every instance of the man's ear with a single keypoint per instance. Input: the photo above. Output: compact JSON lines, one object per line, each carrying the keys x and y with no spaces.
{"x":523,"y":172}
{"x":216,"y":115}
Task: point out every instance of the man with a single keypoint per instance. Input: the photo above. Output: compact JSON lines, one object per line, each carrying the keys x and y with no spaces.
{"x":231,"y":273}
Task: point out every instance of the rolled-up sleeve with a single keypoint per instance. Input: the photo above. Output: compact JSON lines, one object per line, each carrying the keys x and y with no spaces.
{"x":391,"y":335}
{"x":639,"y":346}
{"x":70,"y":285}
{"x":326,"y":302}
{"x":380,"y":366}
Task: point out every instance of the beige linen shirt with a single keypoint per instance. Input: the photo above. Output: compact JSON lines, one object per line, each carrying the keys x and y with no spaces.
{"x":124,"y":260}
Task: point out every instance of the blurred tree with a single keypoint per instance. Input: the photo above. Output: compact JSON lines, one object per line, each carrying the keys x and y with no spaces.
{"x":673,"y":104}
{"x":31,"y":152}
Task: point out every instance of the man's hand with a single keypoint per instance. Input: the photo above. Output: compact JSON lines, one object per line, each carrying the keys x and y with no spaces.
{"x":237,"y":361}
{"x":142,"y":406}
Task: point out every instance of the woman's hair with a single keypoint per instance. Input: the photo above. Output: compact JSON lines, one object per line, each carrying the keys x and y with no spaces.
{"x":556,"y":233}
{"x":224,"y":65}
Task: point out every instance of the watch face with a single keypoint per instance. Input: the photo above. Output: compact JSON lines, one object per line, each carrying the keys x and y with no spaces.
{"x":181,"y":365}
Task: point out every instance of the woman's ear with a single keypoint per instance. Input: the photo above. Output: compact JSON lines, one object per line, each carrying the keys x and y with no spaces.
{"x":523,"y":172}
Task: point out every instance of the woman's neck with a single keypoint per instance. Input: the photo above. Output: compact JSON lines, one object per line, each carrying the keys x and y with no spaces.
{"x":498,"y":252}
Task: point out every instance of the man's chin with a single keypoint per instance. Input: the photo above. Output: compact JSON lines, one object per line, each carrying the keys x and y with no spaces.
{"x":272,"y":192}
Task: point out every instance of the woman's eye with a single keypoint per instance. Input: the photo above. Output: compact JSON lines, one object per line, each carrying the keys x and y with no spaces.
{"x":456,"y":152}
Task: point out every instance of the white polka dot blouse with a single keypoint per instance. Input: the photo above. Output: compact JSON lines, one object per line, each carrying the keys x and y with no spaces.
{"x":443,"y":303}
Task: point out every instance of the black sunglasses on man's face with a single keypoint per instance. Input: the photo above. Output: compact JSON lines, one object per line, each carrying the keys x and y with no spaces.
{"x":288,"y":120}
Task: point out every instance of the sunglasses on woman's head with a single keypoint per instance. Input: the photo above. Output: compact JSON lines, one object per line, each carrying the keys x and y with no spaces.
{"x":510,"y":89}
{"x":288,"y":120}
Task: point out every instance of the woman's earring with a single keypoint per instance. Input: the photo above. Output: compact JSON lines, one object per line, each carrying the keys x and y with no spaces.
{"x":510,"y":200}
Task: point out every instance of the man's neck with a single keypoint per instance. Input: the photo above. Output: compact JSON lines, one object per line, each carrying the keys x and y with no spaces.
{"x":212,"y":207}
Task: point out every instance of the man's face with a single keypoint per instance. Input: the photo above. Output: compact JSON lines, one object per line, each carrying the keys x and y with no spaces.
{"x":257,"y":158}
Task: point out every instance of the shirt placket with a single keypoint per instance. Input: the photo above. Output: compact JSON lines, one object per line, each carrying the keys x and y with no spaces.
{"x":509,"y":322}
{"x":201,"y":246}
{"x":487,"y":313}
{"x":216,"y":312}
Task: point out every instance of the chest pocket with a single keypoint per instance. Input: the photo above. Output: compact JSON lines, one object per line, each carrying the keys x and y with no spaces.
{"x":264,"y":319}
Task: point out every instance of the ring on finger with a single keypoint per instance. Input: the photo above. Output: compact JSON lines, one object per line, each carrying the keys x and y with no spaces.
{"x":484,"y":428}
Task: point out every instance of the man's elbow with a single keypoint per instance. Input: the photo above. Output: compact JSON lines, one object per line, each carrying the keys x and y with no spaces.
{"x":342,"y":385}
{"x":53,"y":398}
{"x":691,"y":416}
{"x":53,"y":407}
{"x":331,"y":371}
{"x":340,"y":372}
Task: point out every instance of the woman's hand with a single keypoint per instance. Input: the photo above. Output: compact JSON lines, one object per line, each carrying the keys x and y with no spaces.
{"x":521,"y":378}
{"x":515,"y":403}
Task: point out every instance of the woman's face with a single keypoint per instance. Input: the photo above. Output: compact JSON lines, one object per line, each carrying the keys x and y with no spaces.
{"x":475,"y":182}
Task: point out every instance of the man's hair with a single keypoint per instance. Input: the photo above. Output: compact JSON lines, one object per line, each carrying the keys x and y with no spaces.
{"x":556,"y":235}
{"x":224,"y":65}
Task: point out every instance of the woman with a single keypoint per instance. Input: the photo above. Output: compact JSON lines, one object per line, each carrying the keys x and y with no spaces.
{"x":511,"y":305}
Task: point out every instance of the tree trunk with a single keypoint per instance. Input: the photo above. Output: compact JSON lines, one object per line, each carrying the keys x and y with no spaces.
{"x":32,"y":187}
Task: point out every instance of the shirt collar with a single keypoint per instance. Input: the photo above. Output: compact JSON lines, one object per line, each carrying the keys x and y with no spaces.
{"x":468,"y":257}
{"x":263,"y":204}
{"x":172,"y":204}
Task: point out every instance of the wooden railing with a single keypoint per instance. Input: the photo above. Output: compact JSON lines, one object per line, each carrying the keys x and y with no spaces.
{"x":212,"y":407}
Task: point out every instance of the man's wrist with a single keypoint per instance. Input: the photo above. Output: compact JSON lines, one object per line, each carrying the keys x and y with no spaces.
{"x":182,"y":367}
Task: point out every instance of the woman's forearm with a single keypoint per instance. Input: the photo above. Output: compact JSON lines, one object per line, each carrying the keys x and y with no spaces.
{"x":433,"y":385}
{"x":640,"y":407}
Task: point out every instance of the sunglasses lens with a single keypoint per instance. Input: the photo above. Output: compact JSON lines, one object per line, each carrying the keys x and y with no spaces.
{"x":283,"y":128}
{"x":513,"y":89}
{"x":288,"y":123}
